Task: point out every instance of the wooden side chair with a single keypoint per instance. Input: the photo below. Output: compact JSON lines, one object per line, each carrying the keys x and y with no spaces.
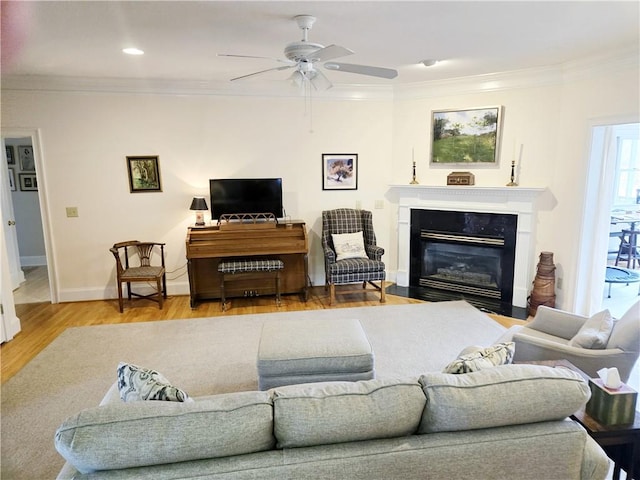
{"x":154,"y":275}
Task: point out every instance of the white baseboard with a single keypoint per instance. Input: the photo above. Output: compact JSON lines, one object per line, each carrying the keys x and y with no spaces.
{"x":35,"y":261}
{"x":90,"y":294}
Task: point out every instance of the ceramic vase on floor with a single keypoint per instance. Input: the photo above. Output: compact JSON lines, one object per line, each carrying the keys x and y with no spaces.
{"x":544,"y":285}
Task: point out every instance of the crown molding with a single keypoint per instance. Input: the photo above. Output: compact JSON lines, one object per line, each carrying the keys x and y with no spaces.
{"x":526,"y":78}
{"x":591,"y":67}
{"x":277,"y":89}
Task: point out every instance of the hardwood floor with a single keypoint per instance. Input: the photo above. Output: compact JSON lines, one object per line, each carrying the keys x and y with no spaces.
{"x":43,"y":322}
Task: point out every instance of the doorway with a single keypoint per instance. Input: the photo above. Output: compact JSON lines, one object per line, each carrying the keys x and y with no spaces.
{"x":27,"y":201}
{"x":598,"y":204}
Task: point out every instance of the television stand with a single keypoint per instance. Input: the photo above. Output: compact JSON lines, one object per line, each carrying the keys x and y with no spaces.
{"x":207,"y":246}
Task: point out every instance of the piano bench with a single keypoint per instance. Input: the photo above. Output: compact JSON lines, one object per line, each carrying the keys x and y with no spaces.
{"x":234,"y":269}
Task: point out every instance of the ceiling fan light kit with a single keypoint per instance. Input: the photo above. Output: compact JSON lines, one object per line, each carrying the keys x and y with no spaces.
{"x":303,"y":56}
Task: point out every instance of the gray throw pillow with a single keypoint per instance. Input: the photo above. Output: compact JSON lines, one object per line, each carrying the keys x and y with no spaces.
{"x":595,"y":332}
{"x":136,"y":383}
{"x":480,"y":358}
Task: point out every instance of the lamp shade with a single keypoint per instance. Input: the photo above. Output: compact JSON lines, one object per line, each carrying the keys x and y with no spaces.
{"x":198,"y":203}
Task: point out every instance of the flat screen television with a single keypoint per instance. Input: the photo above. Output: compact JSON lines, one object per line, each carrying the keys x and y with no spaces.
{"x":245,"y":195}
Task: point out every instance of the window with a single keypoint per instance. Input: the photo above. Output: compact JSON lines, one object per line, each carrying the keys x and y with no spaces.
{"x":627,"y":179}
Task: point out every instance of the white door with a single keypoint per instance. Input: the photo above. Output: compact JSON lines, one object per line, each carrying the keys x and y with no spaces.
{"x":11,"y":275}
{"x":8,"y":223}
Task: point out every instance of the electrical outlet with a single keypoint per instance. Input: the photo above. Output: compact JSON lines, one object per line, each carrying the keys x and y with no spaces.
{"x":358,"y":205}
{"x":559,"y":283}
{"x":379,"y":204}
{"x":72,"y":211}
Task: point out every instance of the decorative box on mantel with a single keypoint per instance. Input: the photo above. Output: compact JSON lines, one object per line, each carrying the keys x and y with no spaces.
{"x":461,"y":178}
{"x":520,"y":201}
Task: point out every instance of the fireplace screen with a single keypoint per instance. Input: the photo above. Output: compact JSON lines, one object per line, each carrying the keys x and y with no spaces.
{"x":462,"y":266}
{"x":465,"y":254}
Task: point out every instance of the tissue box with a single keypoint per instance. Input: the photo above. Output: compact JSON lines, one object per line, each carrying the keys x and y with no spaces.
{"x":611,"y":407}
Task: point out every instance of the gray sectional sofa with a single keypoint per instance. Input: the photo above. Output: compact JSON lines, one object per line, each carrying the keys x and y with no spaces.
{"x":506,"y":422}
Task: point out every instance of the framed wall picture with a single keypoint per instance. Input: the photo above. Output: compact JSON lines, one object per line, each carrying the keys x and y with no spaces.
{"x":25,"y":154}
{"x":469,"y":138}
{"x":12,"y":179}
{"x":11,"y":159}
{"x":28,"y":182}
{"x":144,"y":174}
{"x":339,"y":171}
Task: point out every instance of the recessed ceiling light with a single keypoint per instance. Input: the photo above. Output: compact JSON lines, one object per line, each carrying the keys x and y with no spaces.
{"x":429,"y":62}
{"x":133,"y":51}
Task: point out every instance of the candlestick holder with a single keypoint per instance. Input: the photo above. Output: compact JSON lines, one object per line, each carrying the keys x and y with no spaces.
{"x":513,"y":182}
{"x":413,"y":177}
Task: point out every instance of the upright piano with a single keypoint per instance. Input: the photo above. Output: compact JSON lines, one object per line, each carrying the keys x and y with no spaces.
{"x":207,"y":246}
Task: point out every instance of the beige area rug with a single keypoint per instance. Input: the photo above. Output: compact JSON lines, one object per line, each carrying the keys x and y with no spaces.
{"x":204,"y":356}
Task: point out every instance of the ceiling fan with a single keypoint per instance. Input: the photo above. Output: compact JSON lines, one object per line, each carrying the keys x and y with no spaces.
{"x":303,"y":56}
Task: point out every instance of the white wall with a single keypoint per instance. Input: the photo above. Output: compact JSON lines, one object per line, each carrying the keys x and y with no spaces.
{"x":86,"y":137}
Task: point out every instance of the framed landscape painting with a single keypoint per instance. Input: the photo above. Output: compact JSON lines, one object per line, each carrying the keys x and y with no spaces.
{"x":144,"y":174}
{"x":468,"y":137}
{"x":339,"y":171}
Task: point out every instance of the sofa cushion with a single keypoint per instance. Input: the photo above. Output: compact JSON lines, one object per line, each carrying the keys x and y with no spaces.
{"x":472,"y":359}
{"x":136,"y":383}
{"x":124,"y":435}
{"x":595,"y":331}
{"x":326,"y":413}
{"x":348,"y":245}
{"x":626,"y":331}
{"x":499,"y":396}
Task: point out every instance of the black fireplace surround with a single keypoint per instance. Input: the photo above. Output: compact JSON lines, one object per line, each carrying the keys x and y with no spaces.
{"x":464,"y":255}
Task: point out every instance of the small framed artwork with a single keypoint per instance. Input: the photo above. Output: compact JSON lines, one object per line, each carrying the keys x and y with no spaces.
{"x":339,"y":171}
{"x":25,"y":154}
{"x":11,"y":159}
{"x":144,"y":174}
{"x":12,"y":180}
{"x":469,"y":137}
{"x":28,"y":182}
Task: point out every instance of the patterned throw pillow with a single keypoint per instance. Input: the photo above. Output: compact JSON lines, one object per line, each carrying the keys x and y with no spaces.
{"x":349,"y":245}
{"x":498,"y":354}
{"x":137,"y":383}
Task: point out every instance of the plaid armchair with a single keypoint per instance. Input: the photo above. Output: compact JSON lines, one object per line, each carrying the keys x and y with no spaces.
{"x":351,"y":270}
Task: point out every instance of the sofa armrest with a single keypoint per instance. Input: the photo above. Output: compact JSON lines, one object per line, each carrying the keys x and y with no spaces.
{"x":374,"y":252}
{"x":531,"y":348}
{"x":329,"y":255}
{"x":558,"y":323}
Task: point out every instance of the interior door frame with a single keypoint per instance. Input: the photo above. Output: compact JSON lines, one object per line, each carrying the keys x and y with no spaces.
{"x":45,"y":217}
{"x":596,"y":214}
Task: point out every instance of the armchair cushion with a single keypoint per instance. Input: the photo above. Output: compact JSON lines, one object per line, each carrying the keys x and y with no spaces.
{"x":595,"y":331}
{"x":349,"y":245}
{"x":626,"y":331}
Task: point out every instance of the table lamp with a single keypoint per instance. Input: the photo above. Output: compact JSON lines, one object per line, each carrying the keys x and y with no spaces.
{"x":199,"y":204}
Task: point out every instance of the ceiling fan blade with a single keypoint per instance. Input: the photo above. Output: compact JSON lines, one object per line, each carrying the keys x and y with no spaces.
{"x":328,"y":53}
{"x":288,"y":62}
{"x":320,"y":81}
{"x":362,"y":69}
{"x":263,"y":71}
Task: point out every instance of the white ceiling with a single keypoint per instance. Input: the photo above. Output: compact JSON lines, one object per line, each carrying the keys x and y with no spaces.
{"x":182,"y":38}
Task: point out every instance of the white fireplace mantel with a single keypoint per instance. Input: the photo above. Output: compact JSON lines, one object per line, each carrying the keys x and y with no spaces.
{"x":520,"y":201}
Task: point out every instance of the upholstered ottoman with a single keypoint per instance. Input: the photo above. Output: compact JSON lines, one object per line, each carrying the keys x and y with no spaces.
{"x":309,"y":351}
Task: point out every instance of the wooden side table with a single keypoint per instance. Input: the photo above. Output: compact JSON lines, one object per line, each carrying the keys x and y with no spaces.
{"x":620,"y":442}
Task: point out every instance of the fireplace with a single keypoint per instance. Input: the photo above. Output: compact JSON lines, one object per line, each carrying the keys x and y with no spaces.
{"x":463,"y":255}
{"x":520,"y":203}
